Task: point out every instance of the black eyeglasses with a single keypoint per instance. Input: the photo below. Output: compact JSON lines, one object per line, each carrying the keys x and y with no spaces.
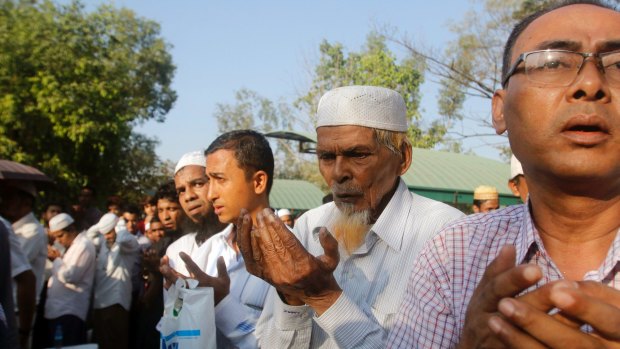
{"x":561,"y":67}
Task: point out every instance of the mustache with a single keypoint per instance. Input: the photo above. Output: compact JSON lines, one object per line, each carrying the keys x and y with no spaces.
{"x":347,"y":188}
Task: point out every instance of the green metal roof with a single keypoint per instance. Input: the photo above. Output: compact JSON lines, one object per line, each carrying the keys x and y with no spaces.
{"x":295,"y":194}
{"x":452,"y":177}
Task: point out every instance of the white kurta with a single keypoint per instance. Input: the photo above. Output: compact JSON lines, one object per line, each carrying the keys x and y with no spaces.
{"x":373,"y":279}
{"x":33,"y":241}
{"x":71,"y":283}
{"x":236,"y":315}
{"x":113,"y":274}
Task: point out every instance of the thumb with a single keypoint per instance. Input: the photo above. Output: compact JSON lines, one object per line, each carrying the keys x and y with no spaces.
{"x":331,"y":257}
{"x":222,"y":273}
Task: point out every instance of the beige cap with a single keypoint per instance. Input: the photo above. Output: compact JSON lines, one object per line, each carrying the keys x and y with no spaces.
{"x":368,"y":106}
{"x":283,"y":212}
{"x":60,"y":222}
{"x":486,"y":192}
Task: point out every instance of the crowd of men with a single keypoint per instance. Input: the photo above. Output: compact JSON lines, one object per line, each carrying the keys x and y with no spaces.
{"x":380,"y":266}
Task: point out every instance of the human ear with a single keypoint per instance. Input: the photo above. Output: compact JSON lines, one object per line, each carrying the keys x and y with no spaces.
{"x":497,"y":111}
{"x":259,"y":180}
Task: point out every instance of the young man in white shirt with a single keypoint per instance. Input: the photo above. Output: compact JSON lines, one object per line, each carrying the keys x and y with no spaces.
{"x":113,"y":284}
{"x":69,"y":288}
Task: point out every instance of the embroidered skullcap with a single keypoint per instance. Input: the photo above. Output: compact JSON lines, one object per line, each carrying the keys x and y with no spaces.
{"x":515,"y":167}
{"x":368,"y":106}
{"x":196,"y":158}
{"x":485,"y":192}
{"x":60,"y":222}
{"x":283,"y":212}
{"x":107,"y":223}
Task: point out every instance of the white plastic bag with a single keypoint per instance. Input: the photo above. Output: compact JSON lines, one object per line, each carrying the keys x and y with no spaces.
{"x":189,"y":318}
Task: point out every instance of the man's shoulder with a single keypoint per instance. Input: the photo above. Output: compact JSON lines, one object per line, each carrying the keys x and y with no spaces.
{"x":180,"y":243}
{"x":425,"y":206}
{"x":82,"y":243}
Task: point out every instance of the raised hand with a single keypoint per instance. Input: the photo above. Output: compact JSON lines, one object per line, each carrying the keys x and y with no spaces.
{"x":274,"y":254}
{"x":220,"y":283}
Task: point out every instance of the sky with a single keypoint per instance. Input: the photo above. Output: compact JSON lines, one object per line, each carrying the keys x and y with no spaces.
{"x":269,"y":46}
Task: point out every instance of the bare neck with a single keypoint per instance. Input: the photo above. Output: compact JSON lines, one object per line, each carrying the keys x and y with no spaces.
{"x":576,"y":229}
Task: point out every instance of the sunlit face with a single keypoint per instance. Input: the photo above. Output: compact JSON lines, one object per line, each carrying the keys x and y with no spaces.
{"x":359,"y":171}
{"x":288,"y":220}
{"x":110,"y":237}
{"x":169,"y":213}
{"x":570,"y":132}
{"x":51,"y":211}
{"x":149,"y":210}
{"x":229,"y":189}
{"x":191,"y":185}
{"x":155,"y":232}
{"x":487,"y":206}
{"x":131,"y":222}
{"x":64,"y":238}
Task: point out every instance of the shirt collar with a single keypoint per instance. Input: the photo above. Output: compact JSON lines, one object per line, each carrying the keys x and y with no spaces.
{"x":29,"y":218}
{"x":527,"y":234}
{"x":390,"y":227}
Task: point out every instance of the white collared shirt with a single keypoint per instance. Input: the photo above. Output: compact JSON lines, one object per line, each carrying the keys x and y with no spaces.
{"x":113,"y":274}
{"x":373,"y":279}
{"x":33,"y":241}
{"x":69,"y":288}
{"x":236,"y":315}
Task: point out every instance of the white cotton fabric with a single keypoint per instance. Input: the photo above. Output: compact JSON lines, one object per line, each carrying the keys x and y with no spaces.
{"x":368,"y":106}
{"x":60,"y":222}
{"x":515,"y":167}
{"x":236,"y":315}
{"x":373,"y":279}
{"x":69,"y":288}
{"x":196,"y":158}
{"x":33,"y":241}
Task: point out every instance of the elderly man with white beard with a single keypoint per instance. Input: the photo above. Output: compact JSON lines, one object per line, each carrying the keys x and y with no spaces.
{"x":340,"y":276}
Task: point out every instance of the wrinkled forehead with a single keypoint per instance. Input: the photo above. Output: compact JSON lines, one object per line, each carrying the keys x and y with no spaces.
{"x":585,"y":28}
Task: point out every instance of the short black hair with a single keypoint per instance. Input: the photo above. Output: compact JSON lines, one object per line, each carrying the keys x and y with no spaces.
{"x":167,"y":191}
{"x":132,"y":209}
{"x":251,"y":149}
{"x":525,"y":22}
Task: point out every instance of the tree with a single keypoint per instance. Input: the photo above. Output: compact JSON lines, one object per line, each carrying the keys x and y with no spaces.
{"x":470,"y":66}
{"x":376,"y":65}
{"x":72,"y":87}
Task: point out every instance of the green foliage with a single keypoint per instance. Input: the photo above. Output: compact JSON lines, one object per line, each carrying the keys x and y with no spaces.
{"x":376,"y":65}
{"x":72,"y":87}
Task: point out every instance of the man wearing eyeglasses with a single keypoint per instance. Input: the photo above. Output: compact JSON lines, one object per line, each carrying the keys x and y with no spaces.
{"x":545,"y":274}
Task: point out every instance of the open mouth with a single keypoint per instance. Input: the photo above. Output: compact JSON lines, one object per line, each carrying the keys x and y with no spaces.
{"x":586,"y":130}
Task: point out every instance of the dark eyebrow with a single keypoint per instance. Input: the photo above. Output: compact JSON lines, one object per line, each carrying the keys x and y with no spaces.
{"x":608,"y":46}
{"x":568,"y":45}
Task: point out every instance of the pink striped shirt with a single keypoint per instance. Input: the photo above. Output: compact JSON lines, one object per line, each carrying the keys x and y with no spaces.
{"x":451,"y":265}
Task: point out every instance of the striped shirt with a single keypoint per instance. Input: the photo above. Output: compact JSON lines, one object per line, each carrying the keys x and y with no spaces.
{"x":451,"y":265}
{"x":373,"y":278}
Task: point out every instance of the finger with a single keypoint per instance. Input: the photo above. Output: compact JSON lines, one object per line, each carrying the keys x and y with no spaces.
{"x":598,"y":290}
{"x":511,"y":336}
{"x":542,"y":326}
{"x":244,"y":229}
{"x":264,"y":241}
{"x":274,"y":227}
{"x":222,"y":272}
{"x":193,"y":269}
{"x":331,"y":256}
{"x":599,"y":312}
{"x":503,"y":279}
{"x":540,"y":299}
{"x":281,"y":233}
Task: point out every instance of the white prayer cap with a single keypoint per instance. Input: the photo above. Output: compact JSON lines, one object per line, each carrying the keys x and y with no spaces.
{"x":368,"y":106}
{"x":515,"y":167}
{"x":196,"y":158}
{"x":107,"y":223}
{"x":283,"y":212}
{"x":60,"y":222}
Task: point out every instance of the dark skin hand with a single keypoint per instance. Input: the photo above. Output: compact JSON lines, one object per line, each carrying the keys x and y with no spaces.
{"x":272,"y":253}
{"x":220,"y":283}
{"x":495,"y":319}
{"x":526,"y":324}
{"x":501,"y":279}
